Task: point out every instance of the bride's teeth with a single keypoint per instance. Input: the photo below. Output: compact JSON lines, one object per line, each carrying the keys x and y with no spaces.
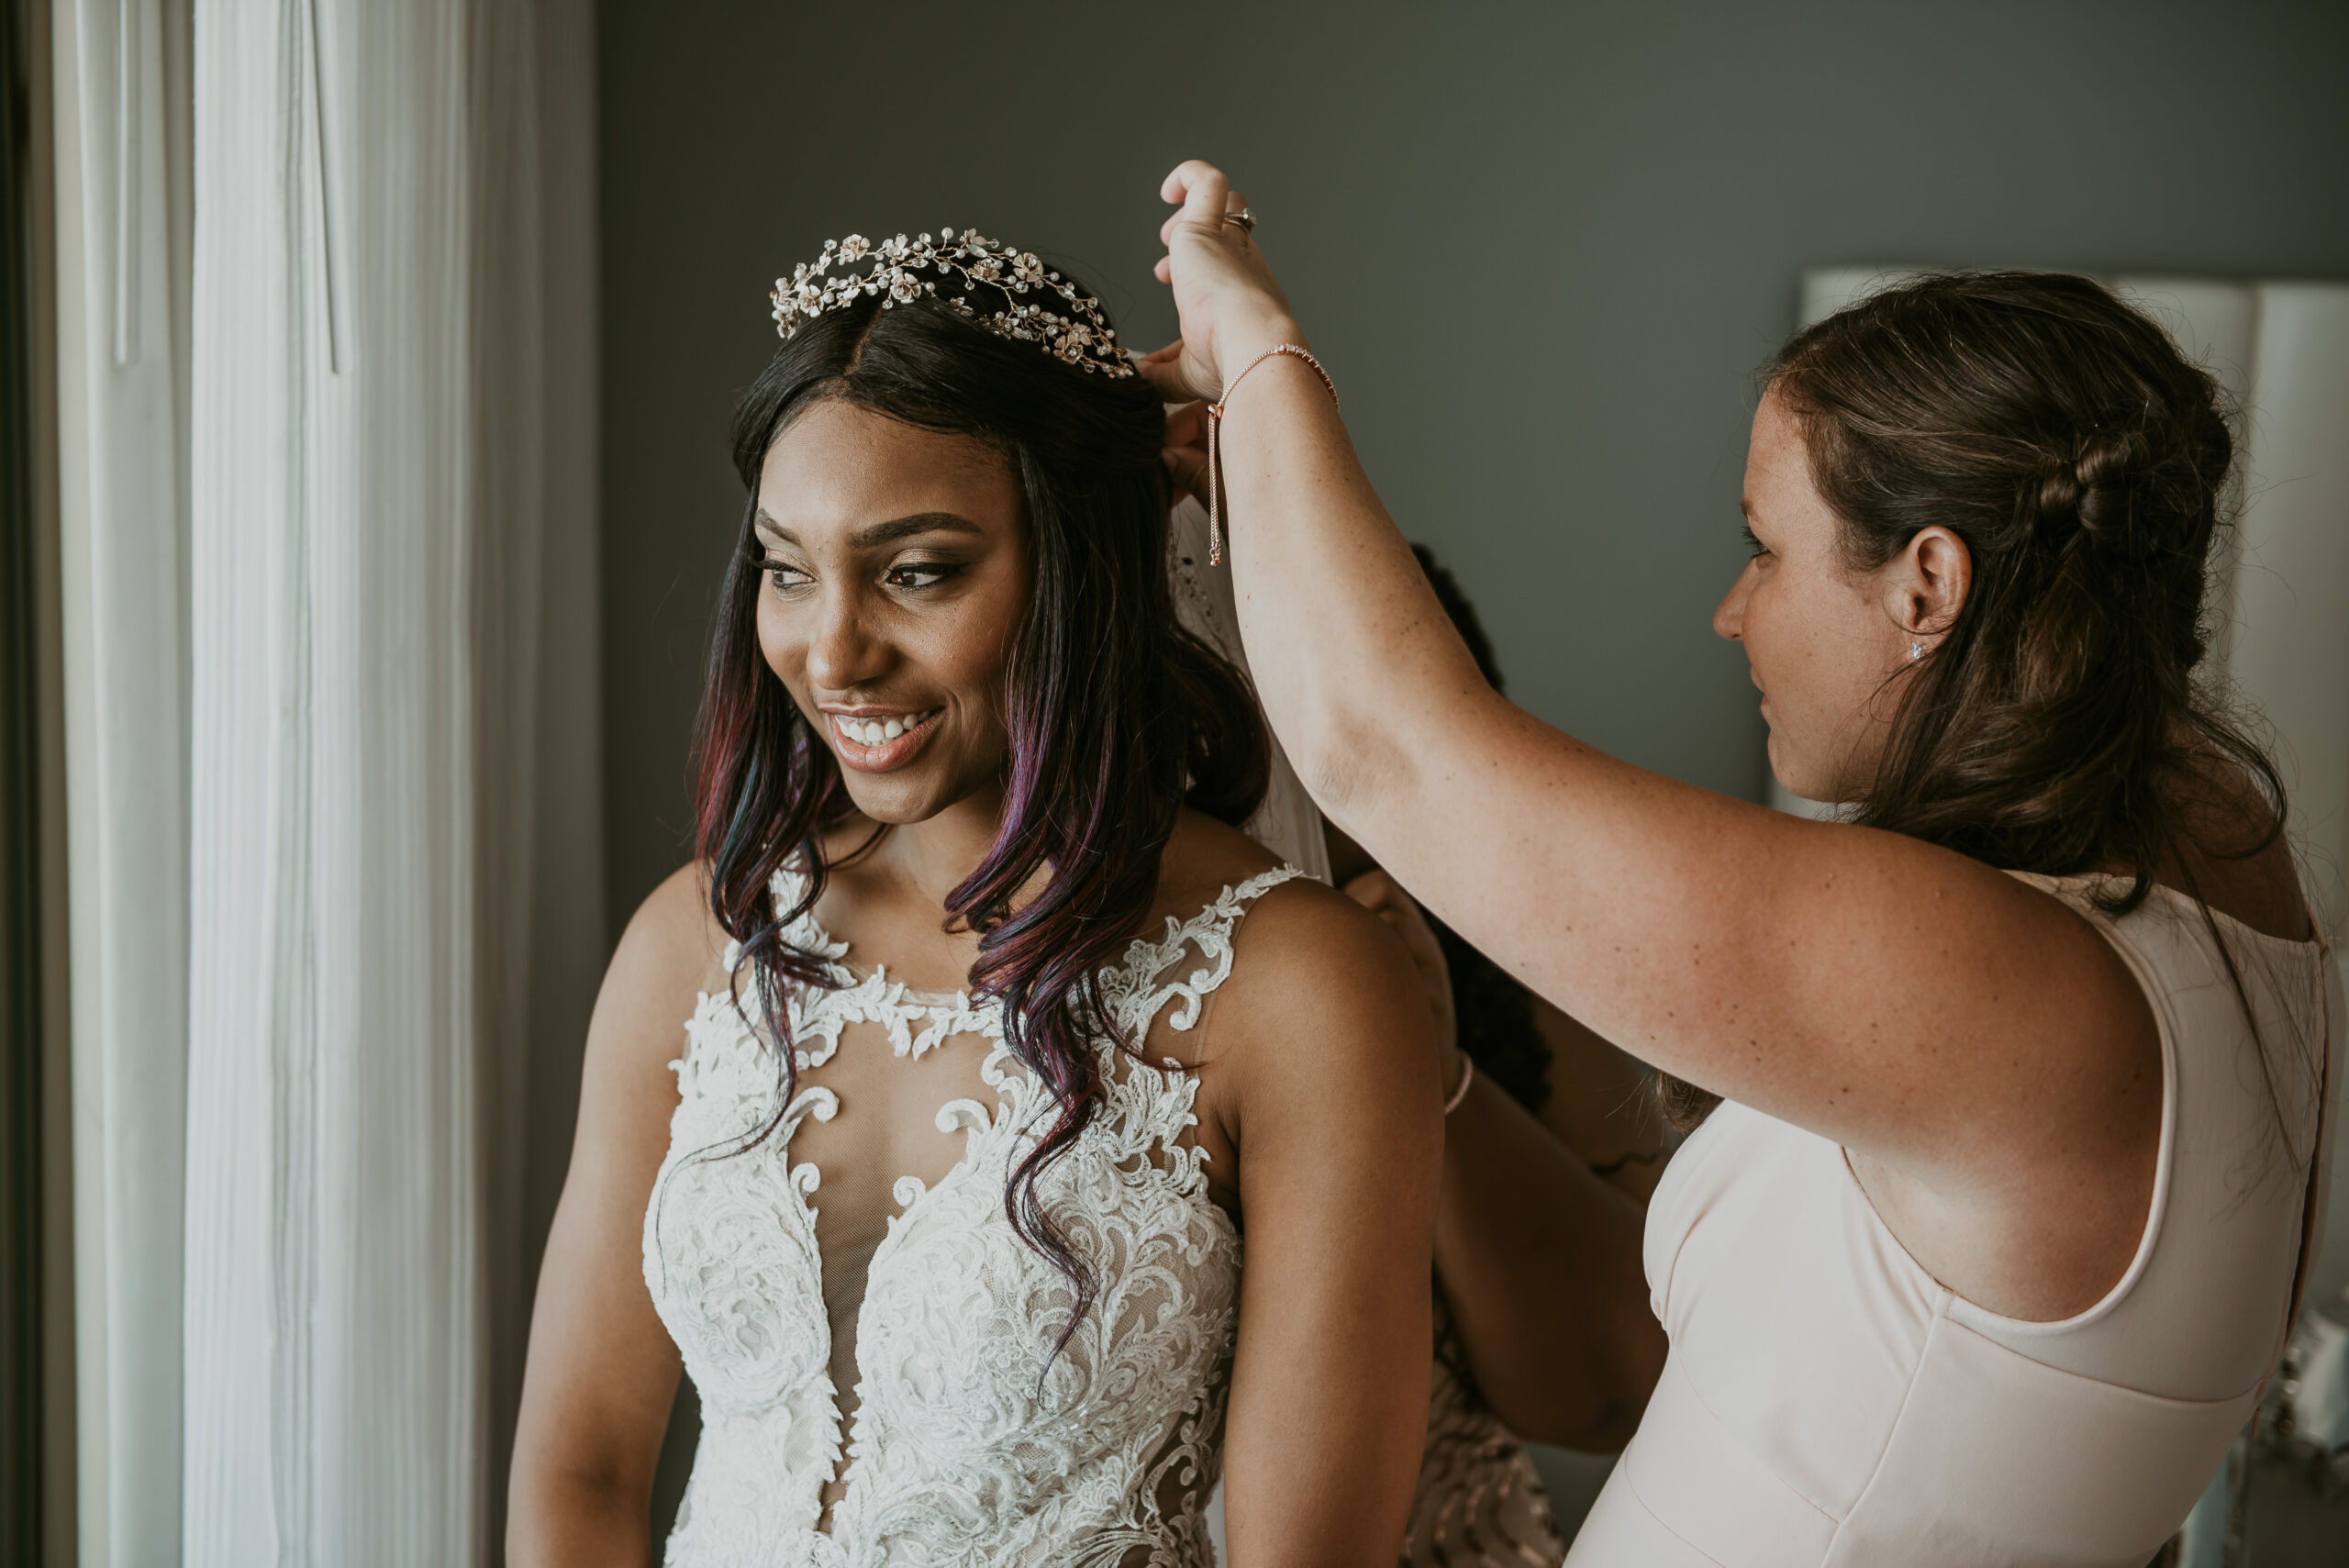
{"x":880,"y":731}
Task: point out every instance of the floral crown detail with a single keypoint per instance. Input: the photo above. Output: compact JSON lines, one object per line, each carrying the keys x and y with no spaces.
{"x":1080,"y":336}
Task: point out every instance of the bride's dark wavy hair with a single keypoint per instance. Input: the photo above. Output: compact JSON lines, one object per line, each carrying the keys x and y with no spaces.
{"x":1117,"y":716}
{"x":2059,"y":725}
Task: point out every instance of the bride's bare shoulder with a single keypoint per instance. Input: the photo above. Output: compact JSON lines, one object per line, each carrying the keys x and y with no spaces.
{"x":1202,"y":859}
{"x":673,"y":950}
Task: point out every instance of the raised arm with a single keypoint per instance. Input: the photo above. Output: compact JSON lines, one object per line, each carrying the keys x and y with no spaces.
{"x":1334,"y":1077}
{"x":1901,"y":999}
{"x":602,"y":1371}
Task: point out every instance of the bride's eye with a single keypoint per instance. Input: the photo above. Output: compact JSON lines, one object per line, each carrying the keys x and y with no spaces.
{"x":1753,"y":547}
{"x":785,"y":577}
{"x":922,"y":574}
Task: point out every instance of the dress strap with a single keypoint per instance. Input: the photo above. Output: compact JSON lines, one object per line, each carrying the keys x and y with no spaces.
{"x":784,"y":890}
{"x":1154,"y":973}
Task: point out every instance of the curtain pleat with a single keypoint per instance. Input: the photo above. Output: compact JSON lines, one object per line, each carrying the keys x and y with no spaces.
{"x":368,"y":497}
{"x":122,"y":229}
{"x":2291,"y":647}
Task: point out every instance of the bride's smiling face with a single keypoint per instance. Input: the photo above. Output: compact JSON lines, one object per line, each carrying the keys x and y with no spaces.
{"x":897,"y":574}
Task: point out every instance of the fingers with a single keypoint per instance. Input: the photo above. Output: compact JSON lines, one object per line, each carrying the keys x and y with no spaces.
{"x":1234,"y":202}
{"x":1178,"y":374}
{"x":1188,"y":426}
{"x":1183,"y":182}
{"x":1186,"y":467}
{"x":1374,"y":890}
{"x":1380,"y":894}
{"x":1220,"y":278}
{"x":1204,"y":193}
{"x":1174,"y":380}
{"x":1185,"y":453}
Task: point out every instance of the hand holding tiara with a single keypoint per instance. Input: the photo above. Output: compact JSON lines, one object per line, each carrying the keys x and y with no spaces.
{"x":1234,"y":317}
{"x":1229,"y":304}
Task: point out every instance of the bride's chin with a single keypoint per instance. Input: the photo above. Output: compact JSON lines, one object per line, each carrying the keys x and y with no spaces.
{"x":903,"y":796}
{"x":890,"y":804}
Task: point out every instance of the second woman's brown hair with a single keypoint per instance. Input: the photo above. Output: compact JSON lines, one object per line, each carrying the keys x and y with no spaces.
{"x":2059,"y":726}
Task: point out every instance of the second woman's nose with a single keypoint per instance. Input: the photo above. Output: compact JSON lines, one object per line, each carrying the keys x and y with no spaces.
{"x":1729,"y":615}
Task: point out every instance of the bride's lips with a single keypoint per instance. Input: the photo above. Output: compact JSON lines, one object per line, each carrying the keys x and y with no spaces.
{"x":849,"y":726}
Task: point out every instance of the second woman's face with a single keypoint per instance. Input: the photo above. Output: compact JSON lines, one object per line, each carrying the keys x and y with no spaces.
{"x":1822,"y":648}
{"x":897,"y":574}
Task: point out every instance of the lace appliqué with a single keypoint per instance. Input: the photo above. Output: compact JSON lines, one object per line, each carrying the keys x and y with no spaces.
{"x":971,"y":1442}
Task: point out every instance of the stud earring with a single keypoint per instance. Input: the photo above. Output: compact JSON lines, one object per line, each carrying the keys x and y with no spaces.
{"x":1916,"y":651}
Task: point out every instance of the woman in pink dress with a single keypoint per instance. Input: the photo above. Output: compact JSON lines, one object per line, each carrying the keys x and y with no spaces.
{"x":2013,"y":1084}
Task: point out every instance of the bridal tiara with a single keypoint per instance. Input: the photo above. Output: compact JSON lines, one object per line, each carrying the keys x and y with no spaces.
{"x":1081,"y":338}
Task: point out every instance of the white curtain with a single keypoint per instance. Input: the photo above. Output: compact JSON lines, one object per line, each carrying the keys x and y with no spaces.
{"x":334,"y":817}
{"x":118,"y":72}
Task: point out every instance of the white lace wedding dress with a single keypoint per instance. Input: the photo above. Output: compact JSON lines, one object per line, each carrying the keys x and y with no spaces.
{"x":971,"y":1442}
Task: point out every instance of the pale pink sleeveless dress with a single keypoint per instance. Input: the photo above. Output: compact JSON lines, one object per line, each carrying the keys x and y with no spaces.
{"x":1826,"y":1401}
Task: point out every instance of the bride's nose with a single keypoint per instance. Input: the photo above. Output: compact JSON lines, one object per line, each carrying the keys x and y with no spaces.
{"x":843,"y":650}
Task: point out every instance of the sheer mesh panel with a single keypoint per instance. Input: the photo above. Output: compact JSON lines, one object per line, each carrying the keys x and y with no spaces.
{"x":873,"y":1217}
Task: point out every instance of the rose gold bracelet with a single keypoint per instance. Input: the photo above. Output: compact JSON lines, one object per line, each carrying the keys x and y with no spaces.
{"x":1215,"y":423}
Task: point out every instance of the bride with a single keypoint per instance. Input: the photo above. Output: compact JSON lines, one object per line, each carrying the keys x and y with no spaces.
{"x":923,"y":1111}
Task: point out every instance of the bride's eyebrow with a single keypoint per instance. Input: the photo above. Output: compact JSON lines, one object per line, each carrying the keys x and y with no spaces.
{"x":898,"y":529}
{"x":876,"y":534}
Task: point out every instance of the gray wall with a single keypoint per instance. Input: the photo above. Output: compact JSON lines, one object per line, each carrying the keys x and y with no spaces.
{"x":1541,"y":247}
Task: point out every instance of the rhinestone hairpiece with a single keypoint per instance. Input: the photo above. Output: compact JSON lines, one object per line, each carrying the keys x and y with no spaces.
{"x":1081,"y":336}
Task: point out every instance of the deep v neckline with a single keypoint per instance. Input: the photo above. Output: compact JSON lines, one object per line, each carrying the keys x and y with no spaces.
{"x":1143,"y":957}
{"x":963,"y":1390}
{"x":848,"y":1431}
{"x":946,"y":1015}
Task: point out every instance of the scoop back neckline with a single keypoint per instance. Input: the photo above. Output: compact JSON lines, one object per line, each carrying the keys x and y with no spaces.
{"x":2315,"y":943}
